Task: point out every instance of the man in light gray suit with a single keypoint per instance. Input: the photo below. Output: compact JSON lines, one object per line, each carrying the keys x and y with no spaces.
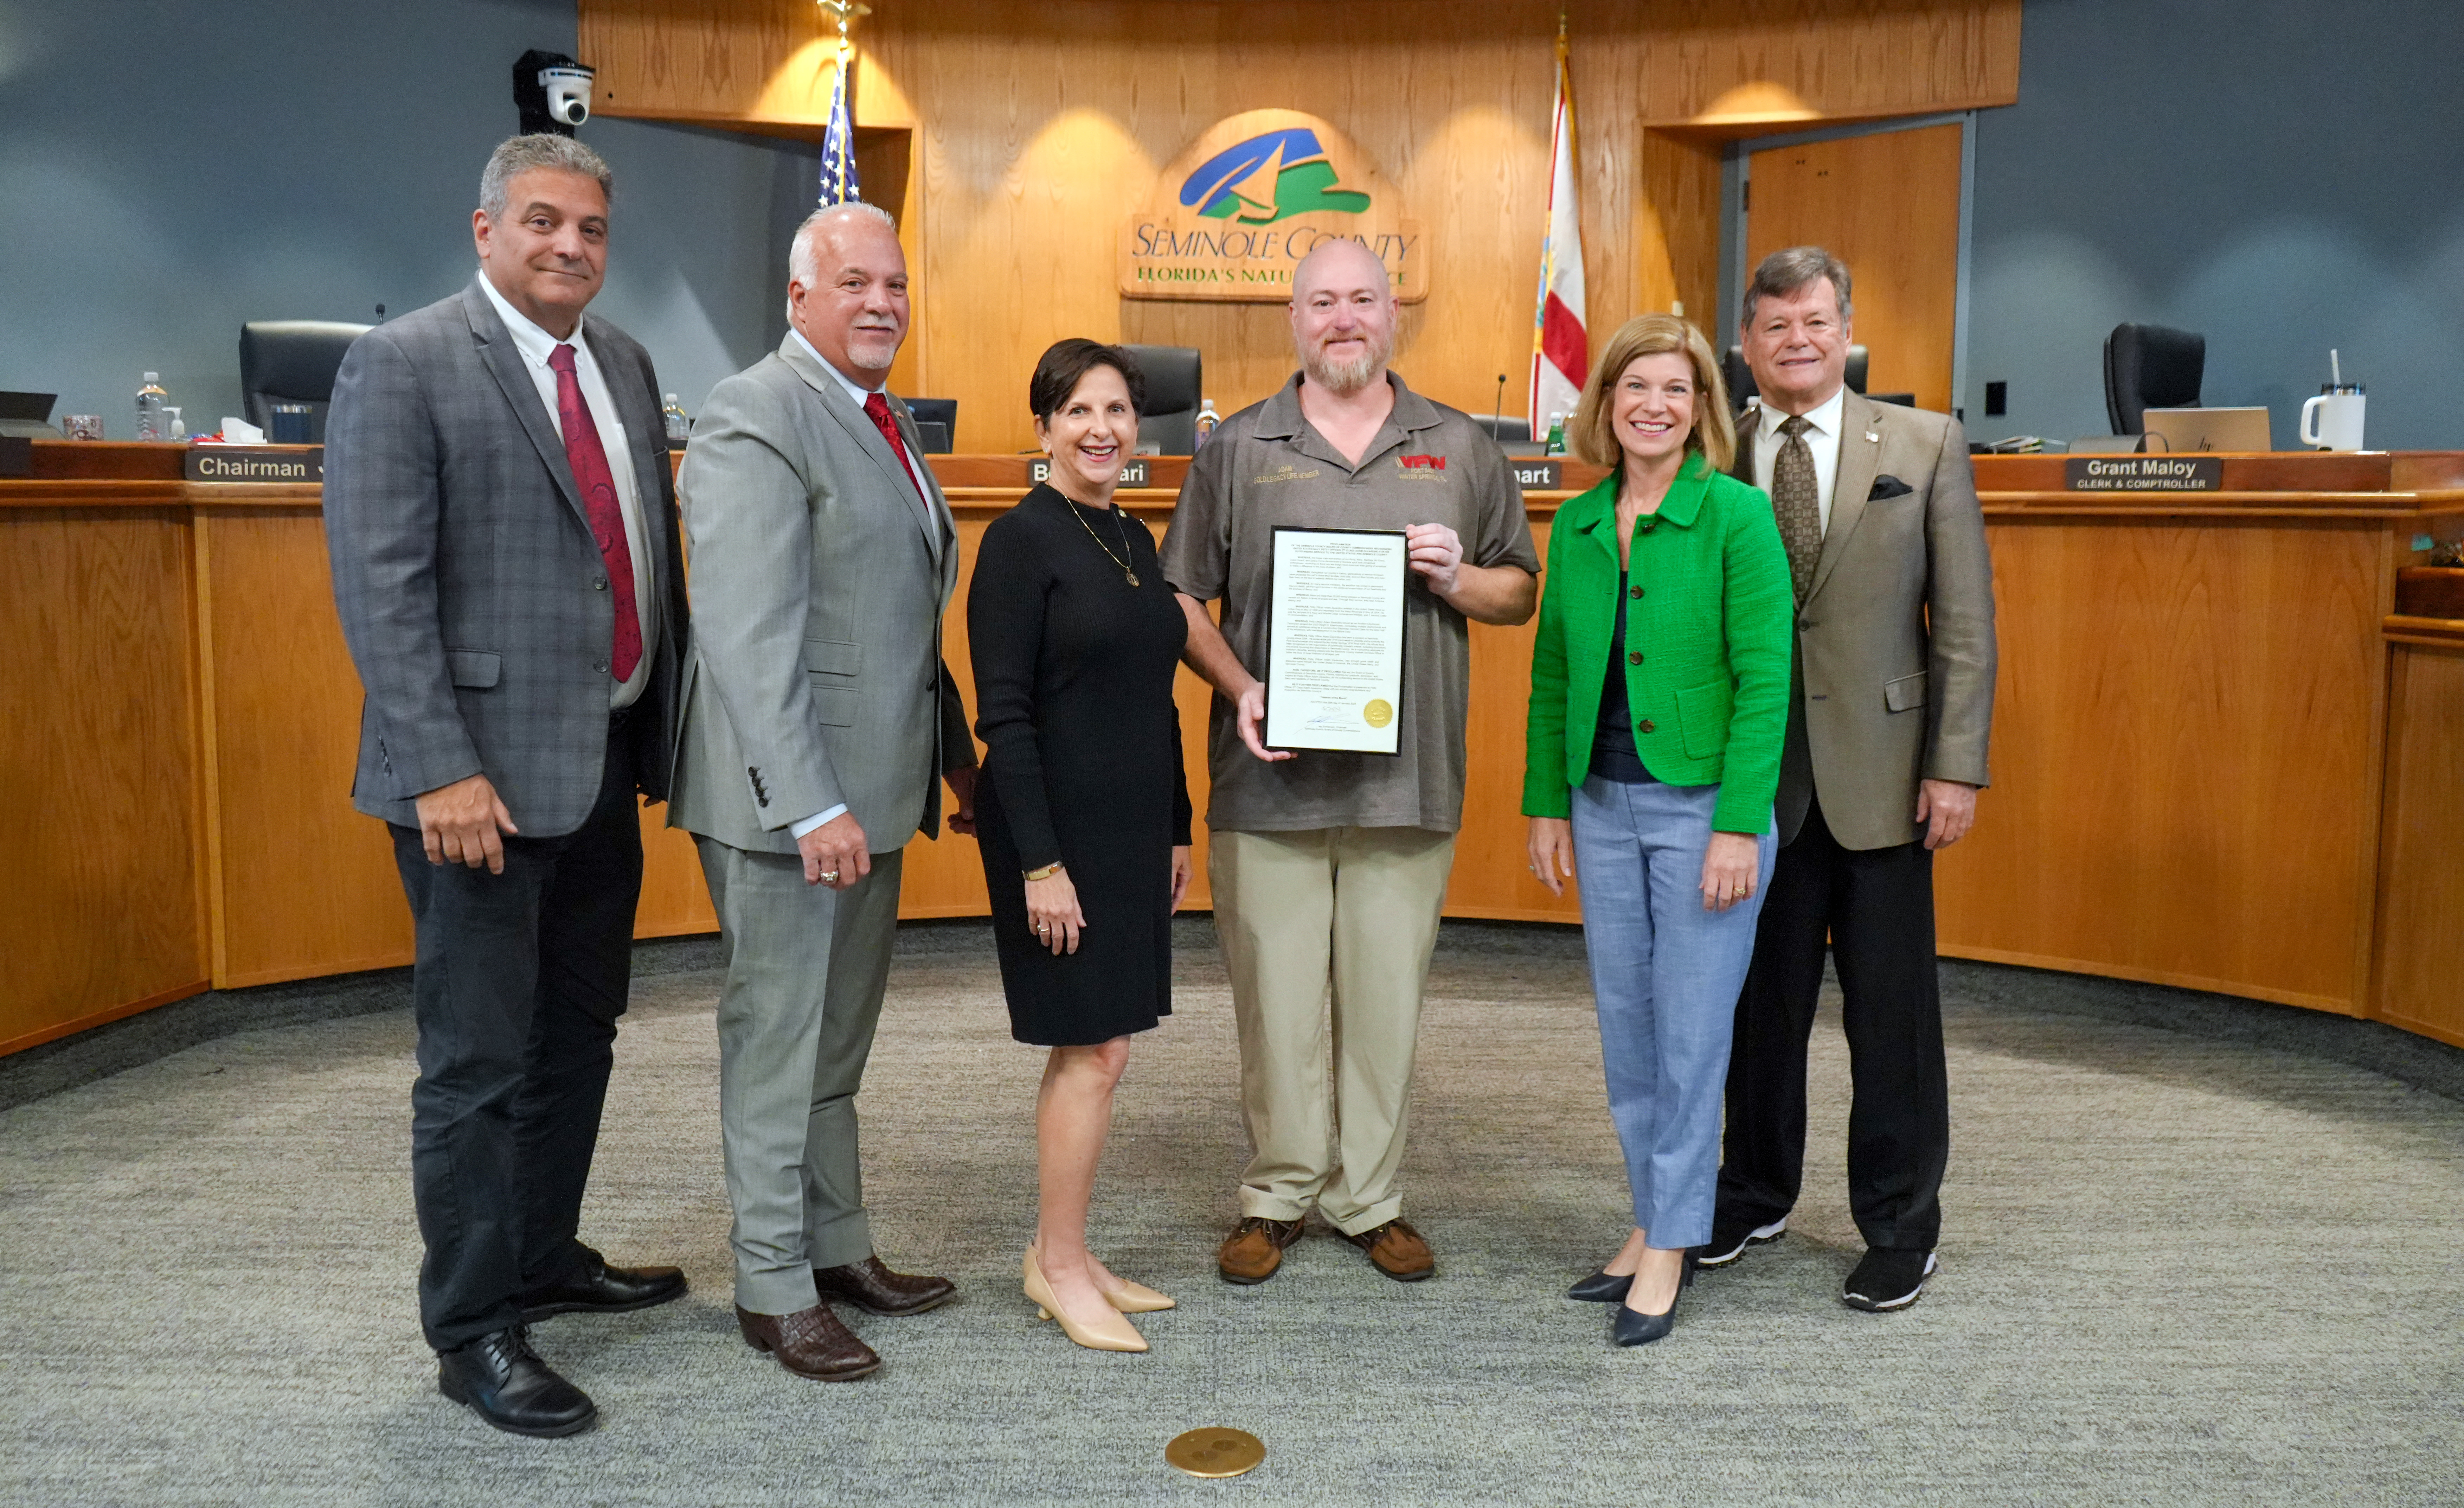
{"x":503,"y":537}
{"x":1886,"y":751}
{"x":818,"y":713}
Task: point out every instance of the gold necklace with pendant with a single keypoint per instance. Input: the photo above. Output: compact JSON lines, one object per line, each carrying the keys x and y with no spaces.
{"x":1127,"y":574}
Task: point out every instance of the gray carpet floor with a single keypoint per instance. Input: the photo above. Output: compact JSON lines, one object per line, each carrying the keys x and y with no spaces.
{"x":2176,"y":1271}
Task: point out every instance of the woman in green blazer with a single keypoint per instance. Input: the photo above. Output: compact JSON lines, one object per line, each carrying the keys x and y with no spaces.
{"x":1660,"y":687}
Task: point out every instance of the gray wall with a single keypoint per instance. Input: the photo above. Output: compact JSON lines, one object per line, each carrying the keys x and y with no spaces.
{"x":170,"y":171}
{"x":2280,"y":175}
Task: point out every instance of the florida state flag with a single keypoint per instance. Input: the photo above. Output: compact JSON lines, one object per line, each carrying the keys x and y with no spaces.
{"x":1560,"y":351}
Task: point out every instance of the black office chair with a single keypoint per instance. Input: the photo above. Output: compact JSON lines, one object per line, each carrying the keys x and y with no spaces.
{"x":292,"y":361}
{"x":1169,"y":422}
{"x":1505,"y":428}
{"x":1740,"y":377}
{"x":2150,"y":367}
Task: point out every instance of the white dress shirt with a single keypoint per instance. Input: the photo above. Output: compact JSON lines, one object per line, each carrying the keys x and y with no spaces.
{"x":1822,"y":438}
{"x":858,"y":393}
{"x":536,"y":346}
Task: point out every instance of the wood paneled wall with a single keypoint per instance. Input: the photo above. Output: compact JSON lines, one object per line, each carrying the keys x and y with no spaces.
{"x":2421,"y":916}
{"x":1039,"y":126}
{"x":98,"y":762}
{"x":2186,"y":755}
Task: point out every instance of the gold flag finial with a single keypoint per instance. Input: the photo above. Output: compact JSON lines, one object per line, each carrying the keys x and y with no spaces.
{"x":846,"y":11}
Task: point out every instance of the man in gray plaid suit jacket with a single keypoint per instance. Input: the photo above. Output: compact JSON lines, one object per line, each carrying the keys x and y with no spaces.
{"x":502,"y":527}
{"x":818,"y":719}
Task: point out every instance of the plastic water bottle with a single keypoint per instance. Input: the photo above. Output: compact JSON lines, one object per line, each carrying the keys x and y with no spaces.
{"x":1207,"y":420}
{"x":1556,"y":445}
{"x":679,"y":426}
{"x":153,"y":420}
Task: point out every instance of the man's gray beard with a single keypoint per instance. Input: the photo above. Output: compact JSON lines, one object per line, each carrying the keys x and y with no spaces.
{"x":863,"y":359}
{"x":1344,"y":378}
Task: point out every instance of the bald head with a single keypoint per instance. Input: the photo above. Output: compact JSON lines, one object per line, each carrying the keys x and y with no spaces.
{"x":1342,"y":265}
{"x":1343,"y":316}
{"x":846,"y":289}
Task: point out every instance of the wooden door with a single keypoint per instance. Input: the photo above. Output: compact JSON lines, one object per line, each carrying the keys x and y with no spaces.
{"x":1888,"y":206}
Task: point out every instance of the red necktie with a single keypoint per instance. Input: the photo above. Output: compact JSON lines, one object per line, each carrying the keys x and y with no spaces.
{"x":876,"y":407}
{"x":588,"y":459}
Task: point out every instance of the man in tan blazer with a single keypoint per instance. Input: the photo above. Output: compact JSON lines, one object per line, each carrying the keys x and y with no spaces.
{"x":1884,"y":755}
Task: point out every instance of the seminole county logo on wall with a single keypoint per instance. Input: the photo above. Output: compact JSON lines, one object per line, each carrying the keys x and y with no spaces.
{"x":1238,"y":210}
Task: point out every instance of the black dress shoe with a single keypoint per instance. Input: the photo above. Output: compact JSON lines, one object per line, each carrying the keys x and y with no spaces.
{"x":871,"y":1285}
{"x":1888,"y":1280}
{"x":1632,"y":1327}
{"x":598,"y":1289}
{"x":1602,"y":1287}
{"x":1729,"y":1239}
{"x":1629,"y":1327}
{"x":506,"y":1384}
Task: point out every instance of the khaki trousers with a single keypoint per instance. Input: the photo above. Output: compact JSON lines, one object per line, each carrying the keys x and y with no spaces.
{"x":1356,"y":907}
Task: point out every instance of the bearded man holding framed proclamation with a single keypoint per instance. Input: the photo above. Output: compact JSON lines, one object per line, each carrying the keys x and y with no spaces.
{"x":1328,"y":867}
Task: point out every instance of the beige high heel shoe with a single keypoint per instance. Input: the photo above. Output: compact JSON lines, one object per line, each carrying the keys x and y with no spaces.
{"x":1135,"y":1298}
{"x":1113,"y":1333}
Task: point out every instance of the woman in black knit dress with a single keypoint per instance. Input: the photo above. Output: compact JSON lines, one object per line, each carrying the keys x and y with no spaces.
{"x":1083,"y":816}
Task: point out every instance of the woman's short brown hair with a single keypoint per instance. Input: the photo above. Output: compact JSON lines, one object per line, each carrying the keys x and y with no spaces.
{"x":1065,"y":365}
{"x":1591,"y":432}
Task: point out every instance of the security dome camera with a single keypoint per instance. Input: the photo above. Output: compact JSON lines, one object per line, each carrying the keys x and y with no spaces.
{"x":568,"y":94}
{"x":552,"y":91}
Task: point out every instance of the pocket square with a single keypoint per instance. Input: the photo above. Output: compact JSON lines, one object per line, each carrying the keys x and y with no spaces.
{"x":1887,"y":486}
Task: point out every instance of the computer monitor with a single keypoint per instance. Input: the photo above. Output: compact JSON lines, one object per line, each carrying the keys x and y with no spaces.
{"x":936,"y":422}
{"x":23,"y":415}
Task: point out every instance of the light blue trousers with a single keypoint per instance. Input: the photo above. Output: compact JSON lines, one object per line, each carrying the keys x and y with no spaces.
{"x":1665,"y":973}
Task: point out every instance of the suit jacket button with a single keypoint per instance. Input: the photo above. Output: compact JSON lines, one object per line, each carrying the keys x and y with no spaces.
{"x":1634,"y":658}
{"x":598,"y":584}
{"x":1645,"y":726}
{"x":601,"y":666}
{"x":1635,"y":592}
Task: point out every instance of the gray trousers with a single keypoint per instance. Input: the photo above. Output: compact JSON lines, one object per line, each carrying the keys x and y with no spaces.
{"x":806,"y":967}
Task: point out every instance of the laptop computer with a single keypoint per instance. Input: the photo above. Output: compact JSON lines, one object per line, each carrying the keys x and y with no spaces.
{"x":23,"y":415}
{"x":2176,"y":429}
{"x":936,"y":422}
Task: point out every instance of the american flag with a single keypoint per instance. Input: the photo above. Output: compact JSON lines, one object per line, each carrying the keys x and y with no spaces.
{"x":838,"y":143}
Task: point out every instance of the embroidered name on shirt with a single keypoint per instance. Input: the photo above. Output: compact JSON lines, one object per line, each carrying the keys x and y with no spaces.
{"x":1432,"y":463}
{"x":1282,"y":473}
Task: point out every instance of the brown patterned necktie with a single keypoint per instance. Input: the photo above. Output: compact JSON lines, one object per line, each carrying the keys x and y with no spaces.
{"x":1796,"y":498}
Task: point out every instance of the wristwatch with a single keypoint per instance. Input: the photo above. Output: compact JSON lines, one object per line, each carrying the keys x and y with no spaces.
{"x":1046,"y":873}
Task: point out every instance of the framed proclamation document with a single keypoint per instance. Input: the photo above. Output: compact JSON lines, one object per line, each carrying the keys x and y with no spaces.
{"x":1334,"y":640}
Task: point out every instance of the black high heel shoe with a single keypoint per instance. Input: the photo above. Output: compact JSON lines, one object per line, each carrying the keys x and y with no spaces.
{"x":1602,"y":1287}
{"x":1632,"y":1327}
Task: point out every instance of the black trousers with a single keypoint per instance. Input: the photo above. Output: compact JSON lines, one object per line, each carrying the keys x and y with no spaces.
{"x":518,"y":981}
{"x":1873,"y":910}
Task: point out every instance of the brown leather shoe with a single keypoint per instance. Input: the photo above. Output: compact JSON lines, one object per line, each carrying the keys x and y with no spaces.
{"x":1397,"y":1250}
{"x":1255,"y":1249}
{"x":809,"y":1343}
{"x":869,"y":1285}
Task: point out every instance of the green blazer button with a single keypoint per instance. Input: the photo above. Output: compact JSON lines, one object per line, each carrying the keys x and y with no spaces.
{"x":1634,"y":657}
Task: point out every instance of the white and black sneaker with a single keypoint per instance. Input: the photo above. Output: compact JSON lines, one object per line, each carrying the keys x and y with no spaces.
{"x":1887,"y":1281}
{"x":1729,"y":1242}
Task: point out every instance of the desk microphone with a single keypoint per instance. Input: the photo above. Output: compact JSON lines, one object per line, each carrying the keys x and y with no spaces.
{"x":1497,"y":420}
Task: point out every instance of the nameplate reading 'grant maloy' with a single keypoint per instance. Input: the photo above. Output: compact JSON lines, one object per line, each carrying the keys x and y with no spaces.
{"x":2144,"y":472}
{"x":1134,"y":473}
{"x":255,"y":463}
